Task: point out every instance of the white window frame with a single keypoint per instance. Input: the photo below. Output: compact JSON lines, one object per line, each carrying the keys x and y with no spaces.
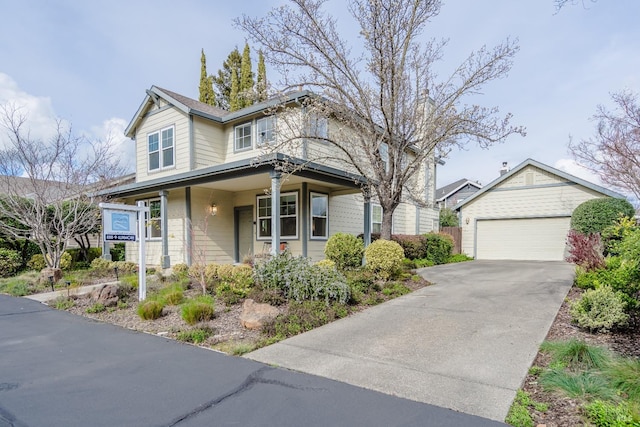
{"x":325,"y":234}
{"x":318,"y":126}
{"x":268,"y":217}
{"x":373,"y":208}
{"x":384,"y":155}
{"x":149,"y":221}
{"x":270,"y":129}
{"x":160,"y":151}
{"x":247,"y":125}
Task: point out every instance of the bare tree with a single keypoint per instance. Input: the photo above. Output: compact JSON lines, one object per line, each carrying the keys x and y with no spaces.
{"x":561,"y":3}
{"x":389,"y":115}
{"x":47,"y":187}
{"x":614,"y":152}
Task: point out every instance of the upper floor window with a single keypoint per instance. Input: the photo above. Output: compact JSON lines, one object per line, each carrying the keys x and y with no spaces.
{"x":318,"y":126}
{"x":266,"y":129}
{"x":288,"y":216}
{"x":319,"y":216}
{"x":161,"y":149}
{"x":242,"y":137}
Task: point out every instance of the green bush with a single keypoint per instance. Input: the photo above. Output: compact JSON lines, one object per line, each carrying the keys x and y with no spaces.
{"x":594,"y":215}
{"x":613,"y":235}
{"x":181,"y":270}
{"x":66,"y":261}
{"x":599,"y":310}
{"x":625,"y":377}
{"x":172,"y":295}
{"x":414,"y":246}
{"x":150,"y":309}
{"x":327,"y":263}
{"x":345,"y":250}
{"x":96,"y":308}
{"x":302,"y":316}
{"x":124,"y":267}
{"x":101,"y":265}
{"x":384,"y":258}
{"x":10,"y":262}
{"x":448,"y":218}
{"x":576,"y":354}
{"x":629,"y":247}
{"x":438,"y":247}
{"x":607,"y":414}
{"x":198,"y":309}
{"x":117,"y":251}
{"x":297,"y":279}
{"x":16,"y":287}
{"x":37,"y":262}
{"x":235,"y":282}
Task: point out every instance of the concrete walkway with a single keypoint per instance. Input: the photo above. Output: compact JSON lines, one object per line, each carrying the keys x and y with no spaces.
{"x":465,"y":343}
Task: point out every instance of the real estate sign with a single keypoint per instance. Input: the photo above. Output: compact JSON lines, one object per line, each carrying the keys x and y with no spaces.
{"x":119,"y":225}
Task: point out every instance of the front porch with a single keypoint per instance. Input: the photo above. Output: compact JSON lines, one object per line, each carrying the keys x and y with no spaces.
{"x":225,"y":214}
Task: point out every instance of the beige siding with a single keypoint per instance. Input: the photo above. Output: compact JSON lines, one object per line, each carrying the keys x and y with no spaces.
{"x":346,"y":214}
{"x":153,"y":123}
{"x":547,"y":197}
{"x":210,"y":142}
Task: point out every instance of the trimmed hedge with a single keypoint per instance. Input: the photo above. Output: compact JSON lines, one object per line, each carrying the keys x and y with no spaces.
{"x":345,"y":250}
{"x":594,"y":215}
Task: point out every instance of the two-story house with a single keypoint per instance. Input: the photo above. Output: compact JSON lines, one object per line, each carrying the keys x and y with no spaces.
{"x":213,"y":198}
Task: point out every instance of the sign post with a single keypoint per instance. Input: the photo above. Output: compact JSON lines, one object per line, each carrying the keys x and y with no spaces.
{"x":119,"y":225}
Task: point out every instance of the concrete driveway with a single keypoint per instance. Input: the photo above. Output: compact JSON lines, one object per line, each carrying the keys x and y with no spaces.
{"x":465,"y":343}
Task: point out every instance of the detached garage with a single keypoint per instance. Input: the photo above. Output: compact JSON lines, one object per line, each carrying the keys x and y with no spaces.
{"x":524,"y":214}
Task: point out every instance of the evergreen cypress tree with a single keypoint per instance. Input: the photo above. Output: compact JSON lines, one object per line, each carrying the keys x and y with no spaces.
{"x":222,"y":81}
{"x":246,"y":79}
{"x":206,"y":83}
{"x":261,"y":84}
{"x":234,"y":99}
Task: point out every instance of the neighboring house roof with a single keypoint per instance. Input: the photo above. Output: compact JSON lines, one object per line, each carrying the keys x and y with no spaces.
{"x":446,"y":191}
{"x":191,"y":106}
{"x":547,"y":168}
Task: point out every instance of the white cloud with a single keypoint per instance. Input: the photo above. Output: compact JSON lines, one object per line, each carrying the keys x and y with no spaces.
{"x":111,"y":131}
{"x":576,"y":169}
{"x":41,"y":119}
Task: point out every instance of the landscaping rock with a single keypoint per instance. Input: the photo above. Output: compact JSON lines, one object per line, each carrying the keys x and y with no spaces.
{"x":56,"y":273}
{"x":254,"y":314}
{"x":106,"y":295}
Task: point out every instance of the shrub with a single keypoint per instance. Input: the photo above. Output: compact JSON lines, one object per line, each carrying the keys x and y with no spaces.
{"x":235,"y":283}
{"x":16,"y":287}
{"x":438,"y":247}
{"x":150,"y":309}
{"x":448,"y":218}
{"x":37,"y":262}
{"x":577,"y":354}
{"x":345,"y":250}
{"x":606,"y":414}
{"x":117,"y":252}
{"x":594,"y":215}
{"x":599,"y":310}
{"x":414,"y":246}
{"x":172,"y":295}
{"x":585,"y":250}
{"x":181,"y":270}
{"x":301,"y":317}
{"x":299,"y":280}
{"x":10,"y":262}
{"x":198,"y":309}
{"x":384,"y":258}
{"x":101,"y":265}
{"x":211,"y":274}
{"x":613,"y":235}
{"x":124,"y":267}
{"x":584,"y":385}
{"x":66,"y":261}
{"x":326,"y":263}
{"x":629,"y":247}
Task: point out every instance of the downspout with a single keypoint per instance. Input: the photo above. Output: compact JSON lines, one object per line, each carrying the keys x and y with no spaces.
{"x":189,"y":225}
{"x":165,"y":262}
{"x":192,"y":147}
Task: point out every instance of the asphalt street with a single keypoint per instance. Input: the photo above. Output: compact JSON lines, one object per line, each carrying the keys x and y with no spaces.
{"x":61,"y":370}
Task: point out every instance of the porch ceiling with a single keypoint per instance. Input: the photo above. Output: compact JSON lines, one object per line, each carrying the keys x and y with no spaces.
{"x":263,"y":180}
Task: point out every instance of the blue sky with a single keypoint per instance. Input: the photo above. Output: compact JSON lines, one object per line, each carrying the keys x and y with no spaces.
{"x":90,"y":63}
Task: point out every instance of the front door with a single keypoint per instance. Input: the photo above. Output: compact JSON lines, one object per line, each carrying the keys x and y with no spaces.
{"x":243,"y":227}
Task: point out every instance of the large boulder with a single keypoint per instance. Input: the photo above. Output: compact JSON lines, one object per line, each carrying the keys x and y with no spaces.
{"x":254,"y":314}
{"x":106,"y":295}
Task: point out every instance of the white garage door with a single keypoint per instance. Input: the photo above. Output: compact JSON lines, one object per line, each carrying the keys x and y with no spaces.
{"x":522,"y":239}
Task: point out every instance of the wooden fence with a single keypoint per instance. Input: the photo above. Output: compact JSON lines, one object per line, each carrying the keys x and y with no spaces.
{"x":456,"y":233}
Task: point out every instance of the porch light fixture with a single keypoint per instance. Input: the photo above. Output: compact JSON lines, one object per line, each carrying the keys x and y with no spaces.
{"x":213,"y":209}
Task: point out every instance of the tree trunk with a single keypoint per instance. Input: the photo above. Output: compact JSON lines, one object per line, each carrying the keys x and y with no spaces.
{"x":387,"y":223}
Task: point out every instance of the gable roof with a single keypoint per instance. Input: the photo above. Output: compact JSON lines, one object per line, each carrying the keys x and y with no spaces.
{"x":449,"y":189}
{"x":547,"y":168}
{"x":191,"y":106}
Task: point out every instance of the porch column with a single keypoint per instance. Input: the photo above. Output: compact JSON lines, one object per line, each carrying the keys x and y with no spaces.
{"x":305,"y":215}
{"x":188,"y":226}
{"x":275,"y":212}
{"x":367,"y":217}
{"x":165,"y":262}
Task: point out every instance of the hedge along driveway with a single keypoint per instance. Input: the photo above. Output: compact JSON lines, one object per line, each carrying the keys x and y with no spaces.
{"x":465,"y":343}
